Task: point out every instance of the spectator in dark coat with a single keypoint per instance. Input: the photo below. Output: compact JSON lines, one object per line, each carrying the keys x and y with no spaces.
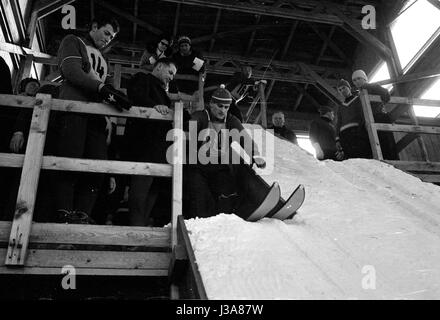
{"x":322,"y":134}
{"x":155,"y":51}
{"x":189,"y":62}
{"x":280,"y":129}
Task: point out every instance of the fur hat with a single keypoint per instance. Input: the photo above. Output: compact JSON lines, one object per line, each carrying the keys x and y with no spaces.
{"x":343,"y":83}
{"x":221,"y":96}
{"x":184,"y":39}
{"x":359,"y":74}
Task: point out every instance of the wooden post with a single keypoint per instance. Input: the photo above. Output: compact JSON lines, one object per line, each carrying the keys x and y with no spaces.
{"x":24,"y":209}
{"x":117,"y":76}
{"x":263,"y":106}
{"x":178,"y":157}
{"x":201,"y":102}
{"x":252,"y":107}
{"x":369,"y":123}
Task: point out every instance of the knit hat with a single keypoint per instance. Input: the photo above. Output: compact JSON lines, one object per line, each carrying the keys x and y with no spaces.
{"x":221,"y":96}
{"x":184,"y":39}
{"x":24,"y":83}
{"x":359,"y":74}
{"x":343,"y":83}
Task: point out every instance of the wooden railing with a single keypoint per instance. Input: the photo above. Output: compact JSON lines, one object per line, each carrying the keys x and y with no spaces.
{"x":426,"y":170}
{"x":48,"y":253}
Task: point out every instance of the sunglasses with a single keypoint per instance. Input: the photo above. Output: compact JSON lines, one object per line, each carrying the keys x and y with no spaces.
{"x":164,"y":43}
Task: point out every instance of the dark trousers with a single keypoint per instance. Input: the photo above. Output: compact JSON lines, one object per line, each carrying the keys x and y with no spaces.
{"x":212,"y":190}
{"x":355,"y":143}
{"x":80,"y":136}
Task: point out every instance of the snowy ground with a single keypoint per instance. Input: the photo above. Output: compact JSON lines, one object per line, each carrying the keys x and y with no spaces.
{"x":365,"y":231}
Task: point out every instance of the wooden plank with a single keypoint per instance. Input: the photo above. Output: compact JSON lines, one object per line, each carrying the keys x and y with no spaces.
{"x":252,"y":37}
{"x":91,"y":165}
{"x":86,"y":107}
{"x":405,"y":141}
{"x":176,"y":20}
{"x":416,"y":166}
{"x":409,"y":101}
{"x":16,"y":49}
{"x":93,"y":235}
{"x":178,"y":156}
{"x":215,"y":29}
{"x":263,"y":106}
{"x":96,"y":259}
{"x":117,"y":73}
{"x":194,"y":279}
{"x":432,"y":178}
{"x":33,"y":158}
{"x":407,"y":128}
{"x":43,"y":12}
{"x":370,"y":125}
{"x":87,"y":272}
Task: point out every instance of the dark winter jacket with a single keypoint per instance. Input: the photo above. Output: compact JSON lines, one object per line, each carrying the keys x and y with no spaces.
{"x":285,"y":133}
{"x":185,"y":67}
{"x":322,"y":131}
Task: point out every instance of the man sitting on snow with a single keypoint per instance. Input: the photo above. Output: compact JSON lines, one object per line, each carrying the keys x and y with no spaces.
{"x":211,"y":182}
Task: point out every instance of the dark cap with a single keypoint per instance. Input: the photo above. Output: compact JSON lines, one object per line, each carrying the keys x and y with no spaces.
{"x":343,"y":83}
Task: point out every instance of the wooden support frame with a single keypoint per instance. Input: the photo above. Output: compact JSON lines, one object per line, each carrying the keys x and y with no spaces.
{"x":21,"y":225}
{"x":151,"y":259}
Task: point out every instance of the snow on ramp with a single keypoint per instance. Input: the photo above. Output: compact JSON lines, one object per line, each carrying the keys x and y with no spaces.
{"x":366,"y":231}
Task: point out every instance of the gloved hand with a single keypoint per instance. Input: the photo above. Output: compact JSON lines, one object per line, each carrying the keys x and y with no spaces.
{"x":260,"y":81}
{"x":114,"y":97}
{"x":259,"y":161}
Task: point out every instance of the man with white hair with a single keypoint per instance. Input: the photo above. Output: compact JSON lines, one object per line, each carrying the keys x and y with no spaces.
{"x":280,"y":129}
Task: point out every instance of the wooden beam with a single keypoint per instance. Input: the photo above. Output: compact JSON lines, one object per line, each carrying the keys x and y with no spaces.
{"x":308,"y":95}
{"x":178,"y":156}
{"x":370,"y":125}
{"x":135,"y":14}
{"x":27,"y":192}
{"x":405,"y":141}
{"x":407,"y":128}
{"x":214,"y":31}
{"x":332,"y":45}
{"x":258,"y":9}
{"x":93,"y":235}
{"x":91,"y":165}
{"x":326,"y":86}
{"x":435,"y":3}
{"x":252,"y":37}
{"x":89,"y":260}
{"x":263,"y":106}
{"x":47,"y":10}
{"x":416,"y":166}
{"x":176,"y":20}
{"x":86,"y":107}
{"x":199,"y":291}
{"x":361,"y":35}
{"x":92,"y":10}
{"x":289,"y":40}
{"x":129,"y":17}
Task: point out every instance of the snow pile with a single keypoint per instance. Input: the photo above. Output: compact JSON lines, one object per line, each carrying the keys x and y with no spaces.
{"x":365,"y":231}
